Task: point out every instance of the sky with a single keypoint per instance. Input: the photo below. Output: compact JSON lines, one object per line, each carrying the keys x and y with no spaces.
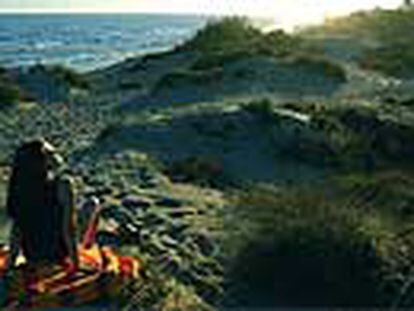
{"x":283,"y":11}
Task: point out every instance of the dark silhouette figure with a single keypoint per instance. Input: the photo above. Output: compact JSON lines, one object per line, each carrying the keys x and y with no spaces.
{"x":40,"y":203}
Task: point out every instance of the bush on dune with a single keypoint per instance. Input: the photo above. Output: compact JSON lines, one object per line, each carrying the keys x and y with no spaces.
{"x":9,"y":94}
{"x":395,"y":60}
{"x":279,"y":43}
{"x":234,"y":42}
{"x":232,"y":39}
{"x":318,"y":63}
{"x":388,"y":139}
{"x":273,"y":44}
{"x":219,"y":59}
{"x":188,"y":77}
{"x":301,"y":249}
{"x":226,"y":34}
{"x":361,"y":136}
{"x":62,"y":75}
{"x":198,"y":170}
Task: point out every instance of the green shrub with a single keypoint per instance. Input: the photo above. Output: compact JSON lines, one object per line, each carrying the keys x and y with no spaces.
{"x":130,"y":84}
{"x":274,"y":44}
{"x":395,"y":60}
{"x":299,"y":248}
{"x":219,"y":59}
{"x":226,"y":34}
{"x":188,"y":78}
{"x":319,"y":64}
{"x":199,"y":170}
{"x":62,"y":75}
{"x":279,"y":43}
{"x":9,"y":94}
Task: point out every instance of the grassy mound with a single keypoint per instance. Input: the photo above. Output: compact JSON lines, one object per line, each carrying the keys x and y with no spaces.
{"x":235,"y":34}
{"x":233,"y":39}
{"x":230,"y":57}
{"x":227,"y":58}
{"x":223,"y":35}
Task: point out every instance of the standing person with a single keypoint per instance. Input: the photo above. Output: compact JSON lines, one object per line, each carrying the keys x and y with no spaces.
{"x":41,"y":206}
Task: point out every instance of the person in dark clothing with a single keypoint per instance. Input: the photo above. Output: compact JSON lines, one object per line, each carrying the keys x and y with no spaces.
{"x":41,"y":206}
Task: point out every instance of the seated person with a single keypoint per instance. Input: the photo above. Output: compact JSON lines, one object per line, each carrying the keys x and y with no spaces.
{"x":41,"y":206}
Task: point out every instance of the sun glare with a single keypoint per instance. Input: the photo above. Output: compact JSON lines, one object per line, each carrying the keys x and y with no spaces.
{"x":285,"y":13}
{"x":289,"y":14}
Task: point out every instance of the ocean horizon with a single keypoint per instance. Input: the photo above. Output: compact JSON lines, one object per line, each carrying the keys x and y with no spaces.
{"x":90,"y":41}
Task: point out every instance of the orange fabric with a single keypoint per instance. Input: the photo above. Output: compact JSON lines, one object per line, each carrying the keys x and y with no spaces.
{"x":3,"y":261}
{"x":49,"y":286}
{"x":91,"y":256}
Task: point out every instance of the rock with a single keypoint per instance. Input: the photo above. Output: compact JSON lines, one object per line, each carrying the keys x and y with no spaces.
{"x":152,"y":219}
{"x":109,"y":211}
{"x":160,"y":230}
{"x":203,"y":286}
{"x":148,"y":179}
{"x":188,"y":250}
{"x":131,"y":238}
{"x":177,"y":231}
{"x":205,"y":244}
{"x":213,"y":266}
{"x":169,"y":241}
{"x":145,"y":235}
{"x":154,"y":247}
{"x":149,"y":184}
{"x":117,"y":213}
{"x":186,"y":277}
{"x":169,"y":202}
{"x":200,"y":271}
{"x":125,"y":221}
{"x":209,"y":291}
{"x":134,"y":202}
{"x":133,"y":227}
{"x":105,"y":238}
{"x":139,"y":214}
{"x":182,"y":212}
{"x":145,"y":174}
{"x":171,"y":264}
{"x":121,"y":195}
{"x":102,"y":191}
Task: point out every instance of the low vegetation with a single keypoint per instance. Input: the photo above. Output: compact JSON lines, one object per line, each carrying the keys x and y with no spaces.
{"x":62,"y":75}
{"x":303,"y":201}
{"x":380,"y":36}
{"x":9,"y":95}
{"x":224,"y":35}
{"x":233,"y":39}
{"x":312,"y":248}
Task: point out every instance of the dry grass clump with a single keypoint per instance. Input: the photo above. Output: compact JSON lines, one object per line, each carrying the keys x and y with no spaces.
{"x":307,"y":248}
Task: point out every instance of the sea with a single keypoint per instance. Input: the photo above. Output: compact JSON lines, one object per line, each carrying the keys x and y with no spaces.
{"x":86,"y":42}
